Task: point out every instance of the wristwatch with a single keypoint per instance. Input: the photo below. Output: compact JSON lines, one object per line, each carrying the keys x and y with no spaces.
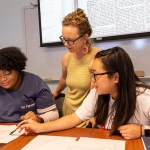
{"x":41,"y":119}
{"x":146,"y":130}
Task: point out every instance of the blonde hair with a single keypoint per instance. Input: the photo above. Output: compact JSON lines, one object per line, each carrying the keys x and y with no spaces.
{"x":80,"y":20}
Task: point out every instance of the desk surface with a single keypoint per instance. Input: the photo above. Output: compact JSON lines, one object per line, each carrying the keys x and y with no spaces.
{"x":20,"y":142}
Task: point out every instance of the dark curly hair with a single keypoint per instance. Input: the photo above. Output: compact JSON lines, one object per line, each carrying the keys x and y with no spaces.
{"x":11,"y":58}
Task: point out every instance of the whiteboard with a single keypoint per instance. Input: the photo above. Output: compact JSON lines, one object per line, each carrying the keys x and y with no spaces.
{"x":46,"y":61}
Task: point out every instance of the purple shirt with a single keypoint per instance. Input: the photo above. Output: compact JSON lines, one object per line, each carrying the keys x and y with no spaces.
{"x":32,"y":94}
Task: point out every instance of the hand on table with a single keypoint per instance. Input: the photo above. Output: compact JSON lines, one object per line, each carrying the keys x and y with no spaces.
{"x":29,"y":126}
{"x":130,"y":131}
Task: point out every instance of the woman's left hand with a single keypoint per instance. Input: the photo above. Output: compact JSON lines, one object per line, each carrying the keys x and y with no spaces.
{"x":30,"y":115}
{"x":92,"y":122}
{"x":130,"y":131}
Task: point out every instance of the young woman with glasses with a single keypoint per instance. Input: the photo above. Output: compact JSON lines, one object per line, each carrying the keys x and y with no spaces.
{"x":76,"y":30}
{"x":119,"y":102}
{"x":23,"y":95}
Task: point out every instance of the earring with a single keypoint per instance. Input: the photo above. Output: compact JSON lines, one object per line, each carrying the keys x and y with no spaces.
{"x":85,"y":49}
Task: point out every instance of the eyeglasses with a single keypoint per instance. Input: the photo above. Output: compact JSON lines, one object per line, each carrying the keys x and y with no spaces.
{"x":5,"y":74}
{"x":70,"y":42}
{"x":94,"y":75}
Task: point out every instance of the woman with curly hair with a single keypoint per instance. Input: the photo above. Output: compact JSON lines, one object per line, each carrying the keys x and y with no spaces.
{"x":76,"y":30}
{"x":23,"y":95}
{"x":120,"y":102}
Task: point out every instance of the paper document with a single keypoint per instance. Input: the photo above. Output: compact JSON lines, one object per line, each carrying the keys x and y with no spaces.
{"x":102,"y":144}
{"x":5,"y":136}
{"x":42,"y":142}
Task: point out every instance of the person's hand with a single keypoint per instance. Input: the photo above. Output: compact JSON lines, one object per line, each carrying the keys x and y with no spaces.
{"x":55,"y":94}
{"x":29,"y":126}
{"x":92,"y":121}
{"x":30,"y":115}
{"x":130,"y":131}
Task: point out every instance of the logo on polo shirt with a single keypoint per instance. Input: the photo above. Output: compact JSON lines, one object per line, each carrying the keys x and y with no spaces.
{"x":28,"y":106}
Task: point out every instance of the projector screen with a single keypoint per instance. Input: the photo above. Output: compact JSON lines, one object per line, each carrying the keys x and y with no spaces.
{"x":110,"y":19}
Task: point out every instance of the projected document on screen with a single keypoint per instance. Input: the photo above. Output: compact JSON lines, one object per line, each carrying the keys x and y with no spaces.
{"x":107,"y":18}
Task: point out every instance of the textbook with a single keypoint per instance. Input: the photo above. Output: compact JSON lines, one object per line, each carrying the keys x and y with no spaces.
{"x":146,"y":142}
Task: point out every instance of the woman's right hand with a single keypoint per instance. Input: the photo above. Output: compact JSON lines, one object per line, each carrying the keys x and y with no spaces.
{"x":29,"y":126}
{"x":55,"y":94}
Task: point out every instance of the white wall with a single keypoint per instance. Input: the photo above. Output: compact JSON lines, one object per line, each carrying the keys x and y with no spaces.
{"x":11,"y":22}
{"x":12,"y":27}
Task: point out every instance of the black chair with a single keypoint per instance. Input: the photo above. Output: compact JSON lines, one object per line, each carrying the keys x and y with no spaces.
{"x":59,"y":103}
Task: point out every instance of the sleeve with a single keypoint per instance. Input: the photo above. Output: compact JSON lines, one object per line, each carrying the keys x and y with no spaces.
{"x":145,"y":104}
{"x":45,"y":103}
{"x":86,"y":110}
{"x":142,"y":111}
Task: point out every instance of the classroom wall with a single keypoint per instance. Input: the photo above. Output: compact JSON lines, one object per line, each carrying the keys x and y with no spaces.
{"x":20,"y":28}
{"x":11,"y":22}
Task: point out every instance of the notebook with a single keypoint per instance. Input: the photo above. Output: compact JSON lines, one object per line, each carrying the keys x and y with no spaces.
{"x":146,"y":142}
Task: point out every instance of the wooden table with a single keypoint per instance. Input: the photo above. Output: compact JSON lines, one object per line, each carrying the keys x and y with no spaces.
{"x":21,"y":141}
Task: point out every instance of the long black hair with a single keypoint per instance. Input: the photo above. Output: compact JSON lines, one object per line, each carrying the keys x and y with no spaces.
{"x":118,"y":61}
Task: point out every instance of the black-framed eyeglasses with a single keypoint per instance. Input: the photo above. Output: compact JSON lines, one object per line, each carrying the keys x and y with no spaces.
{"x":94,"y":75}
{"x":70,"y":42}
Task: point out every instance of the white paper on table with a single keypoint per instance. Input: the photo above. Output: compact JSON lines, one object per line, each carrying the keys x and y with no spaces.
{"x":103,"y":144}
{"x":68,"y":143}
{"x":88,"y":144}
{"x":48,"y":142}
{"x":5,"y":136}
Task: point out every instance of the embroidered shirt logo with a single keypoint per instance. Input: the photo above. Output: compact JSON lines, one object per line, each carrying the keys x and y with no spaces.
{"x":28,"y":106}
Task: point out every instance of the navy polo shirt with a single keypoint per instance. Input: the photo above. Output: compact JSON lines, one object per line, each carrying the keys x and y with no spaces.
{"x":32,"y":94}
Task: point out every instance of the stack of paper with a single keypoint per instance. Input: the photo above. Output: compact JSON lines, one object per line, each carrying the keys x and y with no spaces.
{"x":5,"y":136}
